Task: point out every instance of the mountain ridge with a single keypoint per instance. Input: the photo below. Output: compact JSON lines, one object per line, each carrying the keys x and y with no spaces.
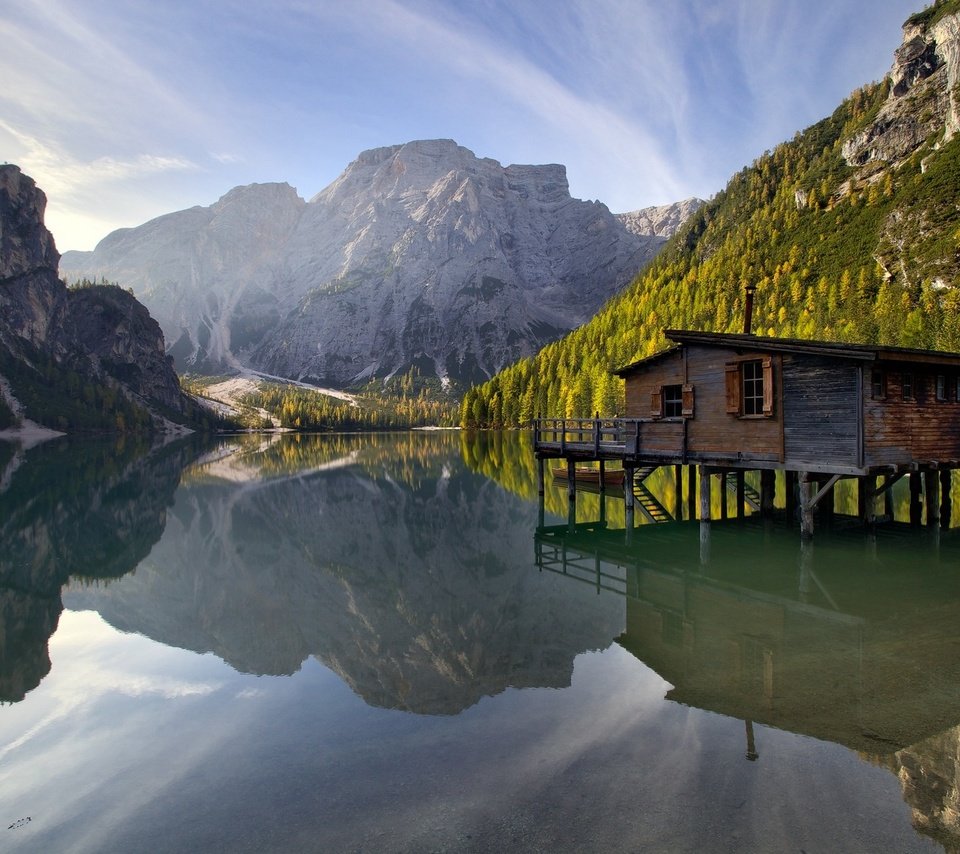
{"x":418,"y":255}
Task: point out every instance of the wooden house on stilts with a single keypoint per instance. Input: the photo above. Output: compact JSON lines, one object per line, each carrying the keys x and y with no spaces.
{"x":818,"y":411}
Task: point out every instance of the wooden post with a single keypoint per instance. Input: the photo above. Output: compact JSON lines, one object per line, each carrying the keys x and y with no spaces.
{"x":603,"y":479}
{"x":867,"y":498}
{"x":888,"y":509}
{"x":768,"y":491}
{"x":723,"y":496}
{"x":790,"y":478}
{"x":704,"y":495}
{"x":571,"y":481}
{"x":916,"y":506}
{"x":540,"y":479}
{"x":704,"y":516}
{"x":931,"y":483}
{"x":691,"y":492}
{"x":628,"y":497}
{"x":808,"y":487}
{"x":741,"y":495}
{"x":946,"y":501}
{"x":678,"y":488}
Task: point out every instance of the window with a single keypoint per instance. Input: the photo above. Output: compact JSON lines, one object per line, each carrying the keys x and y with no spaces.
{"x":906,"y":386}
{"x":941,"y":387}
{"x":878,"y":384}
{"x":752,"y":399}
{"x":749,"y":386}
{"x":672,"y":401}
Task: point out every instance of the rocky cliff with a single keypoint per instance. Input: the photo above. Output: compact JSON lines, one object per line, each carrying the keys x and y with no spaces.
{"x":924,"y":96}
{"x":97,"y":344}
{"x":661,"y":220}
{"x":418,"y":254}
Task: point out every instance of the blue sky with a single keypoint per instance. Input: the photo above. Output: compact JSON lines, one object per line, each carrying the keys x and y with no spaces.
{"x":122,"y":110}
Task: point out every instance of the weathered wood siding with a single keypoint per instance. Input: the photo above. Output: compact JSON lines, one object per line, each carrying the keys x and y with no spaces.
{"x":820,"y":411}
{"x":898,"y":431}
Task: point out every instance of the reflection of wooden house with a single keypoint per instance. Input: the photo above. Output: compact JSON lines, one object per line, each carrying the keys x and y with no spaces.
{"x":817,"y":409}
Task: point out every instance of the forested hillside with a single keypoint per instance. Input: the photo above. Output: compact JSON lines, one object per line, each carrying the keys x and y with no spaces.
{"x":849,"y":232}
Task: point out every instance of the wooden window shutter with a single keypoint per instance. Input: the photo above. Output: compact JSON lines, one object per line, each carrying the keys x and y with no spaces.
{"x":656,"y":402}
{"x":768,"y":385}
{"x":687,"y":400}
{"x":733,"y":388}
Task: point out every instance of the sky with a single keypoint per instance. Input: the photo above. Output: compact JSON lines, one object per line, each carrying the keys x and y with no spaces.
{"x":123,"y":110}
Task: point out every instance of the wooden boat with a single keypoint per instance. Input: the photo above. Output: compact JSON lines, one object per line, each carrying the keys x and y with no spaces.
{"x":611,"y":477}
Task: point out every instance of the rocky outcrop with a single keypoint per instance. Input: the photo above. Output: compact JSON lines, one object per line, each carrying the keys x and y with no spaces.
{"x":99,"y":528}
{"x":99,"y":333}
{"x":417,"y":255}
{"x":662,"y":220}
{"x":924,"y":99}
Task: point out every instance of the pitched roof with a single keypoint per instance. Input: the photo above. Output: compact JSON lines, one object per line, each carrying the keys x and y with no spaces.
{"x":834,"y":349}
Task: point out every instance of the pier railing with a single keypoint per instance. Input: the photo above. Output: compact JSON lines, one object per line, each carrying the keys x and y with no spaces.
{"x":616,"y":436}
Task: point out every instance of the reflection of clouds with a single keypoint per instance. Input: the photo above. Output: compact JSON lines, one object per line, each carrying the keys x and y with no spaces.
{"x":100,"y":657}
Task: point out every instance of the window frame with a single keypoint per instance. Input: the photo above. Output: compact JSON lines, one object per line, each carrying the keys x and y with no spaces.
{"x":764,"y":390}
{"x":908,"y":388}
{"x":878,"y":384}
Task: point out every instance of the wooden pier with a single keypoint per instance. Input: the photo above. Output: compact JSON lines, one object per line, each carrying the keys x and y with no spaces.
{"x":723,"y":405}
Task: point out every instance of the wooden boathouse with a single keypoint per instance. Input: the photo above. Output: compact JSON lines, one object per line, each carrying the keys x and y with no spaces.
{"x":818,"y":411}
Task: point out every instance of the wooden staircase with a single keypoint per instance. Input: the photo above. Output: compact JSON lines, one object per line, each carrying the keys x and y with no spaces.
{"x":644,"y":499}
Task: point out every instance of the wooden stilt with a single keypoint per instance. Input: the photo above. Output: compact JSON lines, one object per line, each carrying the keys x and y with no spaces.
{"x":628,"y":496}
{"x":678,"y":489}
{"x":723,"y":496}
{"x":540,"y":478}
{"x":946,"y":501}
{"x":888,"y":509}
{"x":704,"y":495}
{"x":741,"y":495}
{"x":790,"y":477}
{"x":931,"y":488}
{"x":768,"y":490}
{"x":916,"y":506}
{"x":603,"y":481}
{"x":808,"y":486}
{"x":866,"y":499}
{"x":691,"y":492}
{"x":571,"y":480}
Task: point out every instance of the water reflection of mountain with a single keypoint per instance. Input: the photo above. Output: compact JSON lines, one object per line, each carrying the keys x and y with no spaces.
{"x":391,"y":563}
{"x":853,"y":641}
{"x":87,"y":510}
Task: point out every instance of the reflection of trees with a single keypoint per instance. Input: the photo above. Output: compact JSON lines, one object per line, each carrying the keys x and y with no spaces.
{"x":406,"y":457}
{"x":89,"y":510}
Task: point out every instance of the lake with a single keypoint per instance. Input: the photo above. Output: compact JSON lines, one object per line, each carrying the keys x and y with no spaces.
{"x":382,"y":643}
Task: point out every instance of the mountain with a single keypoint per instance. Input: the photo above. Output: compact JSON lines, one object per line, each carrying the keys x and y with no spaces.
{"x":848,"y":231}
{"x":89,"y":357}
{"x":417,"y":255}
{"x":662,"y":220}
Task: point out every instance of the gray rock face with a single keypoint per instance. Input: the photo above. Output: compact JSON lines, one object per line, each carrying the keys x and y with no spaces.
{"x":660,"y":220}
{"x":924,"y":96}
{"x":418,"y":254}
{"x":101,"y":332}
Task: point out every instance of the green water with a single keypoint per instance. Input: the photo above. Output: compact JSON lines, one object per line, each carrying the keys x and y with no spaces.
{"x":382,"y":643}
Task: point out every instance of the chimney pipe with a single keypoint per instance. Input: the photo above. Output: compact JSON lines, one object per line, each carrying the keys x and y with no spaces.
{"x":748,"y":308}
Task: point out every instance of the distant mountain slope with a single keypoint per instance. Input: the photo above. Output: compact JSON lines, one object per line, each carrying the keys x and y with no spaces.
{"x":661,"y":220}
{"x":417,"y":255}
{"x":850,"y":232}
{"x":88,"y":358}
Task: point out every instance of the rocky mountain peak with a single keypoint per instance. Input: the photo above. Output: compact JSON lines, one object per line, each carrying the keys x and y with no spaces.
{"x":661,"y":220}
{"x":924,"y":97}
{"x":420,"y":254}
{"x":26,"y":245}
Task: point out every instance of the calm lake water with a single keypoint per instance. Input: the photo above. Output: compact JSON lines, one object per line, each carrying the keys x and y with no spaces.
{"x":376,"y":643}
